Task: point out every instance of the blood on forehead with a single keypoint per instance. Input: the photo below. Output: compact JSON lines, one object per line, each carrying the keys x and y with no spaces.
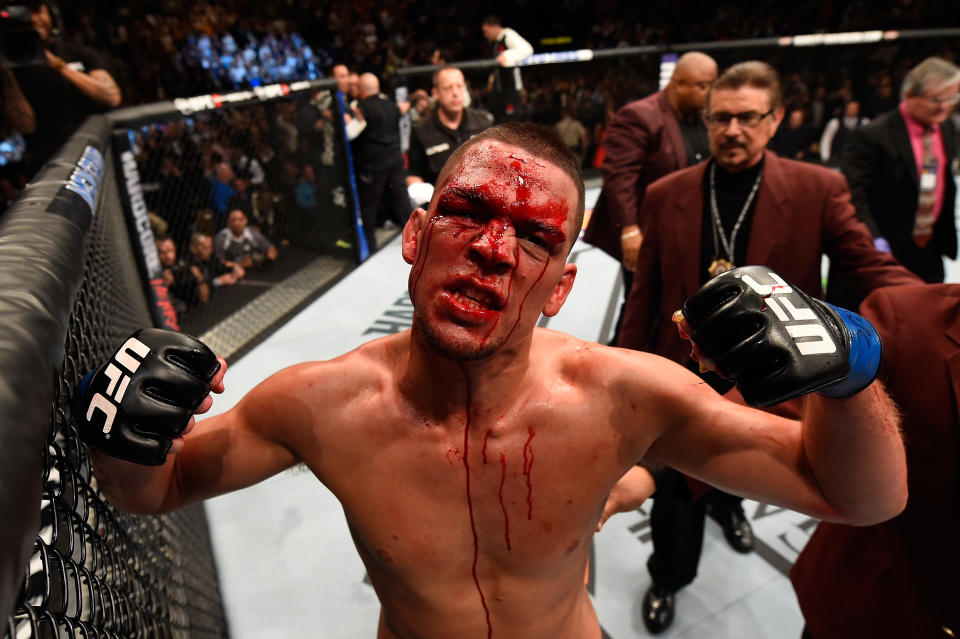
{"x":509,"y":185}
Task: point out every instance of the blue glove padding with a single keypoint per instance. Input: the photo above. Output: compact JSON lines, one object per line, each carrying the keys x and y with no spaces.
{"x":881,"y":244}
{"x":866,"y":353}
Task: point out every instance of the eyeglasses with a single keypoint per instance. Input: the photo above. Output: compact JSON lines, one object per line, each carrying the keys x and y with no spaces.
{"x":952,"y":100}
{"x":748,"y":119}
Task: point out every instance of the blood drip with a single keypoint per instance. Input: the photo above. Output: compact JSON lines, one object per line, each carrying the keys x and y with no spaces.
{"x":523,"y":301}
{"x":506,"y":519}
{"x":527,"y":469}
{"x":422,"y":258}
{"x":473,"y":524}
{"x":486,"y":438}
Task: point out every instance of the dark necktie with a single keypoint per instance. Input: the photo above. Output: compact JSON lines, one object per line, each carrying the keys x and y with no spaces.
{"x":926,"y":215}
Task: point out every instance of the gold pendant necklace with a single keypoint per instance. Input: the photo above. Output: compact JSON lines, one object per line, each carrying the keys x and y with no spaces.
{"x":718,"y":266}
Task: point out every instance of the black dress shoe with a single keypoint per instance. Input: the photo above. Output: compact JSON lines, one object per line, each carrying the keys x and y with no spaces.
{"x":736,"y":527}
{"x":657,"y":609}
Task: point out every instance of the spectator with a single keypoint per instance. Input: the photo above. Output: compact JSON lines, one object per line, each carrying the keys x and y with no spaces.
{"x":72,"y":85}
{"x":837,"y":132}
{"x":184,"y":283}
{"x":446,"y":128}
{"x":505,"y":84}
{"x":420,"y":101}
{"x":796,"y":140}
{"x":242,"y":245}
{"x":379,"y":161}
{"x":646,"y":140}
{"x":882,"y":99}
{"x":209,"y":270}
{"x":223,"y":191}
{"x":18,"y":119}
{"x":573,"y":133}
{"x":341,"y":73}
{"x":898,"y":168}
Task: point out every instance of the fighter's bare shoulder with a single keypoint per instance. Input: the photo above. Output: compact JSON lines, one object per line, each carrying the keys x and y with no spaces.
{"x":620,"y":374}
{"x":365,"y":369}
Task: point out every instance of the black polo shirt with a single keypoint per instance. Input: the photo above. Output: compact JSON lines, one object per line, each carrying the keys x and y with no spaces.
{"x":432,"y":143}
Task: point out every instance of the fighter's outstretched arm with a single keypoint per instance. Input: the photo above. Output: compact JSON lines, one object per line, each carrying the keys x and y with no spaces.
{"x":135,"y":410}
{"x":843,"y":461}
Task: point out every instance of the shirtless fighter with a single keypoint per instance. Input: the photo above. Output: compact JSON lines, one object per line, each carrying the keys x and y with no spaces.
{"x":473,"y":453}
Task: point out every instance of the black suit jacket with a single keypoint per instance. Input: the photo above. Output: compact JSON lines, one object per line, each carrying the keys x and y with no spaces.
{"x":880,"y":168}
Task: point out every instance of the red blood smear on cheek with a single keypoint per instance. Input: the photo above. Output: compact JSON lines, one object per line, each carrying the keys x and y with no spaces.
{"x":473,"y":524}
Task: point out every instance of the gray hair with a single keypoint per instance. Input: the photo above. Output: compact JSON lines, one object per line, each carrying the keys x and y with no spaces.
{"x":932,"y":73}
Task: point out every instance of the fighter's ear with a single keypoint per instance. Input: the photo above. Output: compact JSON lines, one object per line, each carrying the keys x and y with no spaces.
{"x":561,"y":290}
{"x":411,"y":234}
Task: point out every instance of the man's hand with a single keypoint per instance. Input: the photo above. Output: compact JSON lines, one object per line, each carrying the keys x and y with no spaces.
{"x":630,"y":240}
{"x":776,"y":342}
{"x":629,"y":493}
{"x":139,"y":403}
{"x":54,"y":60}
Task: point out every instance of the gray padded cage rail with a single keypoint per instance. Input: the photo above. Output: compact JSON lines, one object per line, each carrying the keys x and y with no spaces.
{"x":70,"y":290}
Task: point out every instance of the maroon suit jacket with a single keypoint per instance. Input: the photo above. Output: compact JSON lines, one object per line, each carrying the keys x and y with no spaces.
{"x":642,"y":144}
{"x":802,"y":211}
{"x":899,"y":579}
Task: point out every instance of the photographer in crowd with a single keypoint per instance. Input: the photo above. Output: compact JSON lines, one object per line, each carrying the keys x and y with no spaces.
{"x":70,"y":85}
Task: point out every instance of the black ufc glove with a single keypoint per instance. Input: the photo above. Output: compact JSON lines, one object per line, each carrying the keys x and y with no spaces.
{"x":134,"y":405}
{"x":776,"y":342}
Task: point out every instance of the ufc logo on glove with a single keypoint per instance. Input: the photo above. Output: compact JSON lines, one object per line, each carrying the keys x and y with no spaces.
{"x":146,"y":394}
{"x":129,"y":357}
{"x":803,"y":325}
{"x":776,"y":342}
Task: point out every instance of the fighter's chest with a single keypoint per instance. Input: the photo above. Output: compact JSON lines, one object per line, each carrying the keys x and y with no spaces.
{"x":505,"y":485}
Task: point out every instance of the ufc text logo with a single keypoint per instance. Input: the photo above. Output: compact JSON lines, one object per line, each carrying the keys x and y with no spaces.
{"x":808,"y":333}
{"x":125,"y":362}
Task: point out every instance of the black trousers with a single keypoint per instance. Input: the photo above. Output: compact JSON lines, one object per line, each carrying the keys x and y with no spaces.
{"x":676,"y":525}
{"x":382,"y":188}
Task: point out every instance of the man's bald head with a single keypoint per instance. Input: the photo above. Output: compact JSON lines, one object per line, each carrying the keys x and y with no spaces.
{"x":369,"y":85}
{"x":690,"y":83}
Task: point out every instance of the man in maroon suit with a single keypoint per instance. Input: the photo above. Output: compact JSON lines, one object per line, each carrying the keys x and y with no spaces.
{"x":899,"y":578}
{"x":745,"y":206}
{"x":648,"y":139}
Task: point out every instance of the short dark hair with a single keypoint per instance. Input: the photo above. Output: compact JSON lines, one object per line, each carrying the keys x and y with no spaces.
{"x":753,"y":73}
{"x":446,"y":67}
{"x":536,"y":139}
{"x":492,"y":20}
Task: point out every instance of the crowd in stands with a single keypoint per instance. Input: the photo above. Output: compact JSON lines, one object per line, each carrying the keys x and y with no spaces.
{"x":248,"y":182}
{"x":160,"y":49}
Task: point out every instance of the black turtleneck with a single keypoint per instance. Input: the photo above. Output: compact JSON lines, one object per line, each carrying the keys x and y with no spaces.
{"x":732,"y":192}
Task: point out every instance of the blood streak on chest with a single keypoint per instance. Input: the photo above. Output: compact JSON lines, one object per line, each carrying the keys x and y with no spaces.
{"x":506,"y":519}
{"x":473,"y":523}
{"x":528,"y":470}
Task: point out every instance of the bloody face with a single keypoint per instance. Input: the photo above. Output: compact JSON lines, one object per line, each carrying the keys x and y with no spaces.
{"x":489,"y":256}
